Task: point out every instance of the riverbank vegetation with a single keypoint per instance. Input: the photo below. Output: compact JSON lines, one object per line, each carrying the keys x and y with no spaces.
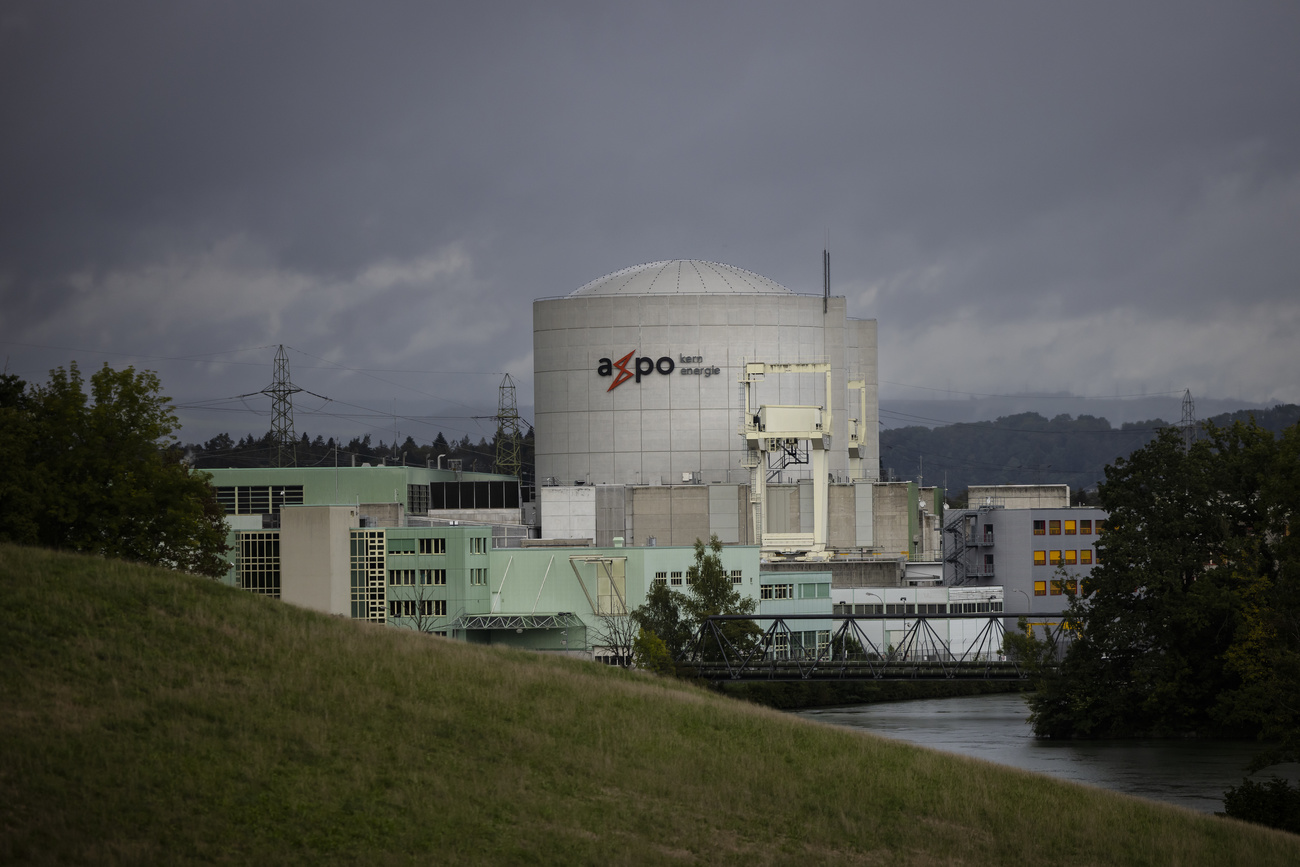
{"x":150,"y":716}
{"x":1190,"y":622}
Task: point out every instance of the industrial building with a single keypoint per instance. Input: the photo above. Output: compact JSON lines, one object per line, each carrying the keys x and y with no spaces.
{"x":1026,"y":540}
{"x":675,"y":401}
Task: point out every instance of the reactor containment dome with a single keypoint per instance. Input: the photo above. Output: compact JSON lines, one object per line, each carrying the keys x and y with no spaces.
{"x":636,"y":373}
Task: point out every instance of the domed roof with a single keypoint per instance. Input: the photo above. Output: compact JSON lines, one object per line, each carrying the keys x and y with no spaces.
{"x":682,"y":277}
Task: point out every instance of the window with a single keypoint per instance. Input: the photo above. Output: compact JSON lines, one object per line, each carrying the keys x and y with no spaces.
{"x":661,"y":577}
{"x":776,"y":591}
{"x":417,"y":499}
{"x":815,"y":591}
{"x":1071,"y":557}
{"x":1040,"y":558}
{"x":426,"y":607}
{"x":398,"y":577}
{"x":478,"y":577}
{"x":1040,"y":528}
{"x":1040,"y":588}
{"x":1085,"y":556}
{"x":1053,"y":528}
{"x":368,"y":589}
{"x":1072,"y":585}
{"x":433,"y":546}
{"x":394,"y":609}
{"x":676,"y":579}
{"x":1054,"y":558}
{"x":260,"y":500}
{"x":988,"y":564}
{"x":401,"y":546}
{"x":478,"y":545}
{"x":433,"y":576}
{"x":440,"y":608}
{"x":259,"y":562}
{"x":1069,"y":528}
{"x":736,"y":576}
{"x":1085,"y":528}
{"x":1056,"y":588}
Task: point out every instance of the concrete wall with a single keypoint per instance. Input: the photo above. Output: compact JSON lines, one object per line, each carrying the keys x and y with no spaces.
{"x":314,"y":557}
{"x":1019,"y":496}
{"x":895,"y":517}
{"x":568,"y":512}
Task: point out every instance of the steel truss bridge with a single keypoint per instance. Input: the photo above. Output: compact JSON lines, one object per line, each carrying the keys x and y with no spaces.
{"x":736,"y":647}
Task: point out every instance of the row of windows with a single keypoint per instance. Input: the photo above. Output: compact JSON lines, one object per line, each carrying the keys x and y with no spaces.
{"x":1058,"y":587}
{"x":399,"y":577}
{"x":1081,"y":557}
{"x":676,"y":578}
{"x":478,"y":576}
{"x":776,"y":591}
{"x":424,"y":546}
{"x":1068,"y":528}
{"x":906,"y":608}
{"x":258,"y":500}
{"x":478,"y":545}
{"x":418,"y":608}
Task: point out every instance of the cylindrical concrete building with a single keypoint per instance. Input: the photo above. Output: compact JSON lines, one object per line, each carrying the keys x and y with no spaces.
{"x":636,"y":374}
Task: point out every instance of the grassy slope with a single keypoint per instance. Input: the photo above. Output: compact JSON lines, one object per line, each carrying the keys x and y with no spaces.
{"x":148,"y":716}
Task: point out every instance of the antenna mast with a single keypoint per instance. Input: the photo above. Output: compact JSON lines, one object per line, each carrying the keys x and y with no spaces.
{"x":509,"y":461}
{"x":281,"y":392}
{"x":826,"y":279}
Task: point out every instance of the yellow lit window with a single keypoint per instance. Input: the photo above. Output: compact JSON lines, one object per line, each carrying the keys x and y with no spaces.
{"x":1056,"y":588}
{"x":1071,"y":557}
{"x":1040,"y":558}
{"x":1085,"y":556}
{"x":1053,"y":528}
{"x":1072,"y":586}
{"x":1069,"y":528}
{"x":1085,"y":528}
{"x":1054,"y":558}
{"x":1040,"y":588}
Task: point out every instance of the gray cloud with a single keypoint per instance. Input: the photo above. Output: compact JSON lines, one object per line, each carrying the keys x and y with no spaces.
{"x":1097,"y":197}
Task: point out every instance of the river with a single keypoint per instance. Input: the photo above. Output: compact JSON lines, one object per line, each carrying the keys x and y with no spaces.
{"x":1190,"y":773}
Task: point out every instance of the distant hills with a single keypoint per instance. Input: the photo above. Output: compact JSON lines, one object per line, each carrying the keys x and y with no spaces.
{"x":1028,"y":448}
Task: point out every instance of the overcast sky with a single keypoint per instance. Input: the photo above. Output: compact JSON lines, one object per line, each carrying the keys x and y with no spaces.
{"x":1095,"y":197}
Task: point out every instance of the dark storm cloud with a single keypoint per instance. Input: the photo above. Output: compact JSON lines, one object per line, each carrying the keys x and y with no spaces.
{"x":1105,"y":194}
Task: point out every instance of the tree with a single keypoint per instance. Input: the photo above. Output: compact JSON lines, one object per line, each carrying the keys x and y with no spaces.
{"x":1188,"y":624}
{"x":675,"y":618}
{"x":104,"y":477}
{"x":661,"y":615}
{"x":649,"y":653}
{"x":713,"y":593}
{"x":617,"y":632}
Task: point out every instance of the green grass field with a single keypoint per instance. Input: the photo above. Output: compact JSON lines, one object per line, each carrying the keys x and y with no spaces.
{"x":147,"y":716}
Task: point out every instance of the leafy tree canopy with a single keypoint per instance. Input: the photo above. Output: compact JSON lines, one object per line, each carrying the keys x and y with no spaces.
{"x":96,"y":472}
{"x":1190,"y":622}
{"x":675,"y":618}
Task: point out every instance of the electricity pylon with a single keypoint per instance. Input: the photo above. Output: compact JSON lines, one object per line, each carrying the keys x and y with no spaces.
{"x":1188,"y":423}
{"x":281,"y":391}
{"x":509,"y":460}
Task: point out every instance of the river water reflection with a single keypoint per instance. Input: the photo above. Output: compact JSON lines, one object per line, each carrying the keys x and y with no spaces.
{"x":993,"y":727}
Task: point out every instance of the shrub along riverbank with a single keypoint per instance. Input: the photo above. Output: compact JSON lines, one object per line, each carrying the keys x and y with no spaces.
{"x":151,"y":716}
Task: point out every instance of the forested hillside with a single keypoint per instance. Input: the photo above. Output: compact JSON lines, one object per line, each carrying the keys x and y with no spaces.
{"x":1031,"y":449}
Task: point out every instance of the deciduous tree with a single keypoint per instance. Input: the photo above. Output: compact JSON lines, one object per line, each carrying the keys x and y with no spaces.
{"x":103,"y":477}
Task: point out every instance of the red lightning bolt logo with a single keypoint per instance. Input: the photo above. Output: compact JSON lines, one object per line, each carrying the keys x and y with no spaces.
{"x":623,"y":373}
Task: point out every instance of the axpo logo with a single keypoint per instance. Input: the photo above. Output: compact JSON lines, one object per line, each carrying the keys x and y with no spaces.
{"x":642,"y":366}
